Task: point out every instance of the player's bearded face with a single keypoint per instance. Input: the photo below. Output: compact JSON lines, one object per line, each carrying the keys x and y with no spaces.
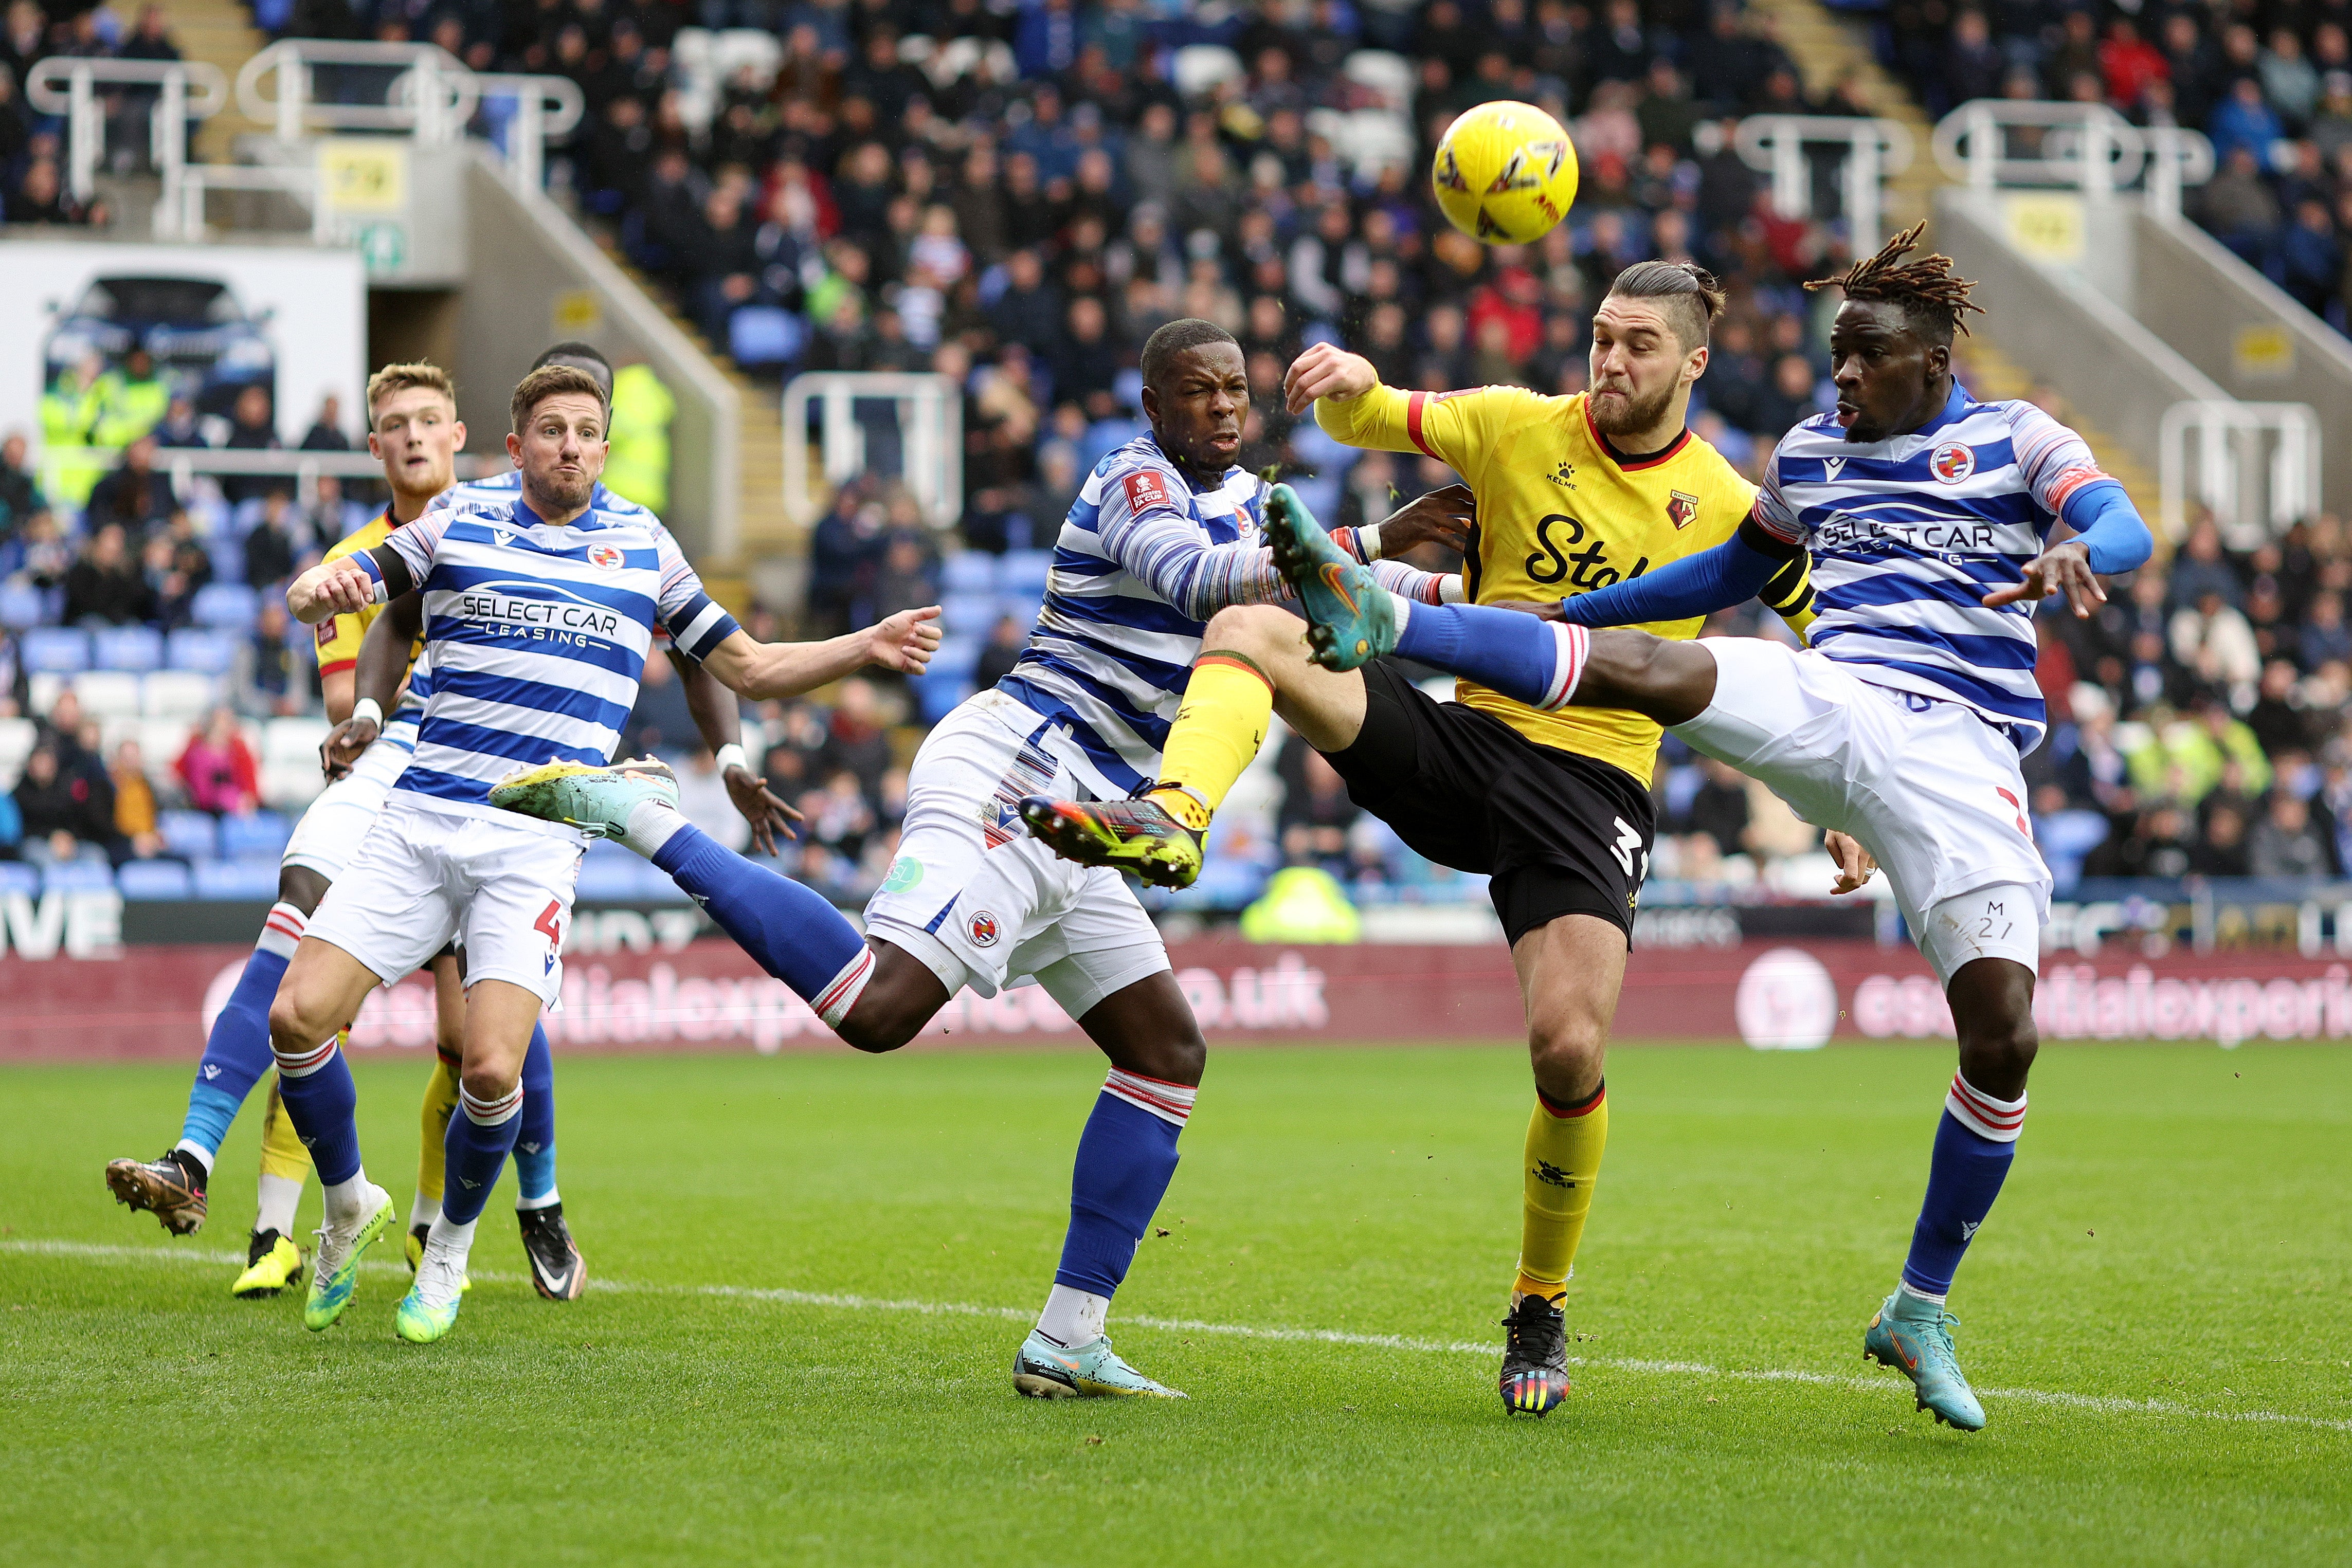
{"x":1637,"y":366}
{"x":561,"y":451}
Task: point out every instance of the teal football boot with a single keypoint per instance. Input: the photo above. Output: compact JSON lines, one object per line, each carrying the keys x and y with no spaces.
{"x":430,"y":1309}
{"x":1351,"y":618}
{"x":335,"y":1266}
{"x":1914,"y":1338}
{"x":1044,"y":1370}
{"x":596,"y":800}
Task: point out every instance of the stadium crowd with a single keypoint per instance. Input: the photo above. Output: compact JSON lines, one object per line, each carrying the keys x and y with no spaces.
{"x":2271,"y":85}
{"x":1016,"y":197}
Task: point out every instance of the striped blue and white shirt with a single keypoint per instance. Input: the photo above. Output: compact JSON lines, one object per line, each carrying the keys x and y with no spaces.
{"x":537,"y":636}
{"x":1909,"y":534}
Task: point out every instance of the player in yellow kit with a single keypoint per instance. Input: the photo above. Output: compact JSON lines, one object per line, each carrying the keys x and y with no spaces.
{"x":1573,"y":494}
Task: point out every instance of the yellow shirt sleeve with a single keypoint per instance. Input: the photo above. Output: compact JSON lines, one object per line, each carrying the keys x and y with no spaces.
{"x":1454,"y":427}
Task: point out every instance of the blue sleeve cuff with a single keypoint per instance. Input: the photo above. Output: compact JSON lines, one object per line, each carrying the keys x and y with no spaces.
{"x":2104,"y":519}
{"x":1733,"y":572}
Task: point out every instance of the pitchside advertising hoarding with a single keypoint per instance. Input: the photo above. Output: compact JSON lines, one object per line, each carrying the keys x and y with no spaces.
{"x":645,"y":981}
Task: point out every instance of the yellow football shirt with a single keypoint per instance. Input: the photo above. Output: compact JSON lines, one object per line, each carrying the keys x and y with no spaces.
{"x":1559,"y":513}
{"x":339,"y":636}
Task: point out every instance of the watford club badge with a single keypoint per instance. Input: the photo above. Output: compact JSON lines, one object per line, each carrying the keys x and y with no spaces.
{"x":1681,"y":508}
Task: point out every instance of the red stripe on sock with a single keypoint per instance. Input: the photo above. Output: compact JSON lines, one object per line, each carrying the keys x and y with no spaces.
{"x":1230,"y":662}
{"x":1582,"y":1108}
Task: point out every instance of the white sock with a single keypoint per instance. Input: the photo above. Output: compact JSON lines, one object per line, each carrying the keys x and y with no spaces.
{"x":447,"y":1233}
{"x":347,"y":1201}
{"x":196,"y":1152}
{"x":424,"y":1210}
{"x":547,"y":1199}
{"x":1921,"y":1296}
{"x":278,"y":1199}
{"x":1403,"y":608}
{"x":1073,"y":1318}
{"x":841,"y":992}
{"x":1573,"y":642}
{"x":652,"y":822}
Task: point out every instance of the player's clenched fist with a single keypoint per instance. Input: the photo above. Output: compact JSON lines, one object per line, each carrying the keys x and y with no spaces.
{"x":331,"y":588}
{"x":905,"y":641}
{"x":1326,"y":370}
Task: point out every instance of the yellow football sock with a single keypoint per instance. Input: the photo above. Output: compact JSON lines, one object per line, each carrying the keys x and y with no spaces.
{"x":1217,"y":732}
{"x":1563,"y":1159}
{"x":282,"y":1153}
{"x":440,"y":1103}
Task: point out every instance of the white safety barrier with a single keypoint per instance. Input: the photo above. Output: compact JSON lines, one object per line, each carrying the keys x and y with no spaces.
{"x":184,"y":90}
{"x":1991,"y":142}
{"x":930,"y":423}
{"x":1876,"y":149}
{"x":2252,"y":493}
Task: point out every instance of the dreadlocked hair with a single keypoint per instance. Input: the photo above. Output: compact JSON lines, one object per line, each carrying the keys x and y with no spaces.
{"x":1934,"y":299}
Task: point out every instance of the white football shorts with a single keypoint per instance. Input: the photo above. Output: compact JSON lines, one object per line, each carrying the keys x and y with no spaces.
{"x":425,"y":875}
{"x":977,"y":899}
{"x":330,"y":829}
{"x":1929,"y":788}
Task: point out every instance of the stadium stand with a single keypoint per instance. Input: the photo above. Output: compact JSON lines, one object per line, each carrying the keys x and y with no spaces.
{"x":1016,"y":196}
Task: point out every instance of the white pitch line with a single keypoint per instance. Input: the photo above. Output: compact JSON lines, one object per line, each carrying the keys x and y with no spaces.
{"x":2101,"y":1404}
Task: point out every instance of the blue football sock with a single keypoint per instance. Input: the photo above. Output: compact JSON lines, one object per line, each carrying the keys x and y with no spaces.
{"x":1126,"y":1158}
{"x":1964,"y":1176}
{"x":1515,"y":654}
{"x":481,"y":1134}
{"x":790,"y":930}
{"x":323,"y":1105}
{"x":534,"y":1150}
{"x":236,"y":1052}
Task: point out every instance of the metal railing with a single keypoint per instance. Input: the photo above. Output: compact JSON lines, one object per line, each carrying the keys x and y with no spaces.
{"x":545,"y":107}
{"x":180,"y":211}
{"x":1876,"y":149}
{"x":2252,"y":495}
{"x":432,"y":97}
{"x":931,"y":422}
{"x":181,"y":464}
{"x":2085,"y":146}
{"x":71,"y":87}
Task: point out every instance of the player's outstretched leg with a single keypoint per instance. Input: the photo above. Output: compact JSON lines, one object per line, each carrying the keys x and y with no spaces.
{"x":557,"y":1270}
{"x":323,"y":989}
{"x":1351,"y":618}
{"x":1976,"y":1140}
{"x":790,"y":930}
{"x":237,"y":1054}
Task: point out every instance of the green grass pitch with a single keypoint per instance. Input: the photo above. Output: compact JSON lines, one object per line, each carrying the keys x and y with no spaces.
{"x":2160,"y":1311}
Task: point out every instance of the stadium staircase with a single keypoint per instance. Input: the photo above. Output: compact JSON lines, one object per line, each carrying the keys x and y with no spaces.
{"x":219,"y":33}
{"x":1827,"y":51}
{"x":1989,"y":374}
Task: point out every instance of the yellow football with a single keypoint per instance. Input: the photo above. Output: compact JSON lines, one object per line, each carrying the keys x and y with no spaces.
{"x":1505,"y":173}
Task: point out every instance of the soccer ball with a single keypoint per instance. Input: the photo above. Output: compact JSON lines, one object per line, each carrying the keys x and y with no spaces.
{"x":1505,"y":173}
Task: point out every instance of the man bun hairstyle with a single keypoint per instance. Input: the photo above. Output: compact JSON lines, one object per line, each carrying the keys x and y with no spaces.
{"x":1694,"y":298}
{"x":552,"y":381}
{"x":393,"y":379}
{"x":1935,"y":302}
{"x":1172,"y":340}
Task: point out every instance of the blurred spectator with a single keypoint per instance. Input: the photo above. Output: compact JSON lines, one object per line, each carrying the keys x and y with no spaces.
{"x":1316,"y":812}
{"x":217,"y":769}
{"x":274,"y":545}
{"x":702,"y":795}
{"x":2286,"y":842}
{"x":135,"y":495}
{"x":274,"y":666}
{"x":67,"y":815}
{"x":857,"y":743}
{"x":135,"y":815}
{"x":104,"y":585}
{"x":20,"y":495}
{"x":1006,"y":639}
{"x":253,"y":427}
{"x":326,"y":433}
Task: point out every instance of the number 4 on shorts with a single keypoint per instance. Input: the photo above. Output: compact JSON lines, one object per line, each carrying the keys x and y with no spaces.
{"x":550,"y":925}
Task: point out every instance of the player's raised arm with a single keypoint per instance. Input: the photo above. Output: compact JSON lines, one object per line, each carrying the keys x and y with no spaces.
{"x":2109,"y":536}
{"x":377,"y":673}
{"x":905,"y":643}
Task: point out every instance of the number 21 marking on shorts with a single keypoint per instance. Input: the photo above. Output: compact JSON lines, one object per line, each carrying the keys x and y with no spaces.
{"x":1628,"y":845}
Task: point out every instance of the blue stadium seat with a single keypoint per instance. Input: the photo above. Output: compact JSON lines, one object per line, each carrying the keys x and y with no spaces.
{"x":189,"y":834}
{"x":154,"y":879}
{"x":261,"y":835}
{"x":250,"y":881}
{"x":967,"y":572}
{"x":134,"y":648}
{"x":229,"y":559}
{"x":608,"y":881}
{"x":968,"y":614}
{"x":19,"y":878}
{"x":203,"y":650}
{"x":763,"y":335}
{"x":79,"y":876}
{"x":937,"y":695}
{"x":227,"y":605}
{"x":20,"y":605}
{"x":959,"y":651}
{"x":55,"y":651}
{"x":1022,"y":572}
